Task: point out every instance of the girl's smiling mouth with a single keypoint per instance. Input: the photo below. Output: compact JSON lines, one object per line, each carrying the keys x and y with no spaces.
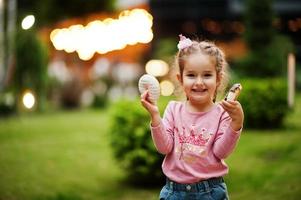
{"x":199,"y":90}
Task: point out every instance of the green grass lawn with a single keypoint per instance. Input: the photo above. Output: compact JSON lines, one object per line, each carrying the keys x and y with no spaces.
{"x":66,"y":156}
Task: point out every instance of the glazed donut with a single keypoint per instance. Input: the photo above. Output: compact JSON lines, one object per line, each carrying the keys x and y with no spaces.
{"x":233,"y":92}
{"x":150,"y":83}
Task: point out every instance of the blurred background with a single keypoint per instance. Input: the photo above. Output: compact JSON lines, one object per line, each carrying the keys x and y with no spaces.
{"x":71,"y":123}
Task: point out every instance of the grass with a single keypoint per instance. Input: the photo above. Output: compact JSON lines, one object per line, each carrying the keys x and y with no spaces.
{"x":66,"y":156}
{"x":59,"y":156}
{"x":267,"y":164}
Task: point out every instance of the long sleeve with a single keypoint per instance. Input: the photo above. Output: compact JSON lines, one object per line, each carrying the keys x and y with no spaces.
{"x":194,"y":143}
{"x":163,"y":136}
{"x":226,"y":138}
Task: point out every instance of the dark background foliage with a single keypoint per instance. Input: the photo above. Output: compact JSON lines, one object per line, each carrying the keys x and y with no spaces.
{"x":51,"y":11}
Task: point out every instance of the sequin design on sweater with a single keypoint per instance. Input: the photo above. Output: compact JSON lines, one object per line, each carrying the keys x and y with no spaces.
{"x":192,"y":143}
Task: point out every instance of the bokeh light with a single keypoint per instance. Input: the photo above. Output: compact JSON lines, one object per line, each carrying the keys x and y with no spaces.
{"x":131,"y":27}
{"x":28,"y":99}
{"x":28,"y":22}
{"x":167,"y":88}
{"x":156,"y":67}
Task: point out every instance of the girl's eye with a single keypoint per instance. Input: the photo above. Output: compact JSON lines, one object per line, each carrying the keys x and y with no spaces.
{"x":207,"y":75}
{"x":190,"y":75}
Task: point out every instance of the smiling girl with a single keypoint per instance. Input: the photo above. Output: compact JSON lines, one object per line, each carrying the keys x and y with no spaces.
{"x":196,"y":135}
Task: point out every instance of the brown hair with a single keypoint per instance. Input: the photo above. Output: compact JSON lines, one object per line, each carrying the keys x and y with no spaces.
{"x":210,"y":49}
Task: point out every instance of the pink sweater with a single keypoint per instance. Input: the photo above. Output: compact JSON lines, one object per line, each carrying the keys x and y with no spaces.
{"x":195,"y":144}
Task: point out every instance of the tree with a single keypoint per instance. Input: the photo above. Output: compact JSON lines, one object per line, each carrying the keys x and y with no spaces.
{"x":7,"y":30}
{"x":267,"y":49}
{"x":31,"y":66}
{"x":259,"y":24}
{"x":51,"y":11}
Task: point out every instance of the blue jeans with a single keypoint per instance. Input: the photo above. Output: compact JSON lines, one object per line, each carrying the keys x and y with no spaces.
{"x":211,"y":189}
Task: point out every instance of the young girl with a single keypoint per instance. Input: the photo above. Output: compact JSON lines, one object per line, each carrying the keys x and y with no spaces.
{"x":198,"y":134}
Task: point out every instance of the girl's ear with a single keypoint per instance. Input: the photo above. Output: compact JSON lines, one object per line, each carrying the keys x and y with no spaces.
{"x":179,"y":77}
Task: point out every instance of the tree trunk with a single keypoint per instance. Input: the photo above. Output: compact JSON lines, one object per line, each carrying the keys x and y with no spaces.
{"x":2,"y":49}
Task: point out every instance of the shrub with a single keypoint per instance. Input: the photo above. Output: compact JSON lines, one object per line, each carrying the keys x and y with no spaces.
{"x":264,"y":102}
{"x":100,"y":101}
{"x":7,"y":105}
{"x":132,"y":144}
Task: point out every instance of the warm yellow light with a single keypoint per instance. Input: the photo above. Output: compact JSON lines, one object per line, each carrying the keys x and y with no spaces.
{"x":85,"y":54}
{"x":74,"y":32}
{"x":28,"y":100}
{"x":156,"y":67}
{"x":59,"y":37}
{"x":28,"y":22}
{"x":167,"y":88}
{"x":132,"y":27}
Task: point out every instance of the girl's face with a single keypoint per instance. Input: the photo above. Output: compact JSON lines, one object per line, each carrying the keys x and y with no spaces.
{"x":199,"y":80}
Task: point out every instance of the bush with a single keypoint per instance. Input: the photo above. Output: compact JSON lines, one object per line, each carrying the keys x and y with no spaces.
{"x":132,"y":143}
{"x":264,"y":102}
{"x":100,"y":101}
{"x":7,"y":105}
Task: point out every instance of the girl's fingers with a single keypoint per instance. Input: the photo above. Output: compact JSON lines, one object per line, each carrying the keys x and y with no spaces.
{"x":234,"y":109}
{"x":144,"y":100}
{"x":230,"y":106}
{"x":151,"y":107}
{"x":144,"y":94}
{"x":227,"y":105}
{"x":233,"y":103}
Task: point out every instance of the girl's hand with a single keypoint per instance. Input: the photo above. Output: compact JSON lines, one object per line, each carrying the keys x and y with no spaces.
{"x":152,"y":108}
{"x":235,"y":111}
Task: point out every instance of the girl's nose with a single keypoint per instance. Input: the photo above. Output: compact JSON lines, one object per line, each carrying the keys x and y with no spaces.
{"x":199,"y":80}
